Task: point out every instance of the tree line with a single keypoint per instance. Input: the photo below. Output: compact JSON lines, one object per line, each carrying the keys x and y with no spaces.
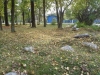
{"x":85,"y":11}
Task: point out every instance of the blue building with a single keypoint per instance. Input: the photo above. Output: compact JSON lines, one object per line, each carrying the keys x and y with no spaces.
{"x":70,"y":21}
{"x":51,"y":17}
{"x":97,"y":21}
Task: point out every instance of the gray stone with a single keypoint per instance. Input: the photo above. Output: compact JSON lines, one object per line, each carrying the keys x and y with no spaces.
{"x":15,"y":73}
{"x":74,"y":28}
{"x":29,"y":48}
{"x":11,"y":73}
{"x":82,"y":35}
{"x":67,"y":48}
{"x":91,"y":45}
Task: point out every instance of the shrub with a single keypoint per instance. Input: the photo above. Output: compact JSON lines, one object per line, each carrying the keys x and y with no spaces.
{"x":94,"y":27}
{"x":81,"y":25}
{"x":54,"y":21}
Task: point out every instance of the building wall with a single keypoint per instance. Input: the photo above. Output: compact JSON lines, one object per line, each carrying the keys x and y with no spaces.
{"x":50,"y":18}
{"x":70,"y":21}
{"x":97,"y":21}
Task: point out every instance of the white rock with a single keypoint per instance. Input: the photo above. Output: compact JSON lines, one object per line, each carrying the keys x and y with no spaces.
{"x":67,"y":48}
{"x":11,"y":73}
{"x":74,"y":28}
{"x":75,"y":25}
{"x":29,"y":48}
{"x":14,"y":73}
{"x":91,"y":45}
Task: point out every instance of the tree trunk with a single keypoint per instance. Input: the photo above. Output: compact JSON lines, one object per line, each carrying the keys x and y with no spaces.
{"x":60,"y":14}
{"x":39,"y":17}
{"x":29,"y":18}
{"x":0,"y":24}
{"x":32,"y":14}
{"x":44,"y":13}
{"x":16,"y":20}
{"x":6,"y":13}
{"x":61,"y":17}
{"x":57,"y":14}
{"x":12,"y":15}
{"x":23,"y":14}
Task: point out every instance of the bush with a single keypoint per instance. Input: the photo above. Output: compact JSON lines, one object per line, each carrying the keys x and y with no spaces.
{"x":54,"y":21}
{"x":81,"y":25}
{"x":94,"y":27}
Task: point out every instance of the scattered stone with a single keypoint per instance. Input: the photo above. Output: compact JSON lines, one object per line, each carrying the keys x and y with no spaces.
{"x":29,"y":48}
{"x":17,"y":73}
{"x":74,"y":28}
{"x":91,"y":45}
{"x":82,"y":35}
{"x":67,"y":48}
{"x":11,"y":73}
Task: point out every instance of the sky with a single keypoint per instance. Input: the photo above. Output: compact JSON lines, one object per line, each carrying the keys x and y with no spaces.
{"x":51,"y":10}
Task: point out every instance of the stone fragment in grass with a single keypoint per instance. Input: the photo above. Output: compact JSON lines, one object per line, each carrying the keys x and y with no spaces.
{"x":74,"y":28}
{"x":91,"y":45}
{"x":82,"y":35}
{"x":29,"y":48}
{"x":11,"y":73}
{"x":16,"y":73}
{"x":67,"y":48}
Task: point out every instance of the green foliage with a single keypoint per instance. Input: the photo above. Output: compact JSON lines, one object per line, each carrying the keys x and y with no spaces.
{"x":1,"y":7}
{"x":48,"y":58}
{"x":86,"y":11}
{"x":54,"y":21}
{"x":95,"y":27}
{"x":81,"y":25}
{"x":69,"y":14}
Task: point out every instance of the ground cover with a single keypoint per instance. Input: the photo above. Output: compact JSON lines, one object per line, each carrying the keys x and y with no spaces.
{"x":48,"y":58}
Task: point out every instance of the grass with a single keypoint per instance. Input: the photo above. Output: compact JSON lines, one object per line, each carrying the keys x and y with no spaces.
{"x":49,"y":59}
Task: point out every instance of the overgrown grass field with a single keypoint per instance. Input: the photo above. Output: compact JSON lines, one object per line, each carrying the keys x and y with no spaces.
{"x":48,"y":58}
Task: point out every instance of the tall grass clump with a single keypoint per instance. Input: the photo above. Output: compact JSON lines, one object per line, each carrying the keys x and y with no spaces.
{"x":54,"y":21}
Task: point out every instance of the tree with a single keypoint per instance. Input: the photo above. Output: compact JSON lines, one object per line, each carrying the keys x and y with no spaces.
{"x":38,"y":11}
{"x":44,"y":13}
{"x":6,"y":12}
{"x":25,"y":4}
{"x":1,"y":11}
{"x":61,"y":6}
{"x":33,"y":14}
{"x":0,"y":23}
{"x":23,"y":13}
{"x":12,"y":15}
{"x":86,"y":11}
{"x":17,"y":12}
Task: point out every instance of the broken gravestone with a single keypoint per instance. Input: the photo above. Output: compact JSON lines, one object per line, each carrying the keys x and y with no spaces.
{"x":82,"y":35}
{"x":74,"y":28}
{"x":91,"y":45}
{"x":67,"y":48}
{"x":29,"y":48}
{"x":11,"y":73}
{"x":15,"y":73}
